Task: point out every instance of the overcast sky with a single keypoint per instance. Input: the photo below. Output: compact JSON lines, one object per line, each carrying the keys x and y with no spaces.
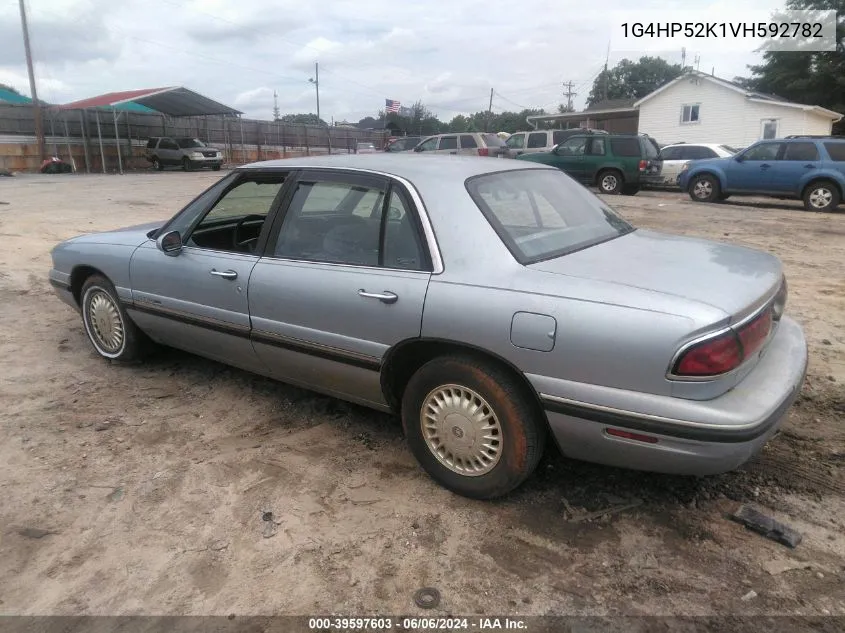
{"x":449,"y":53}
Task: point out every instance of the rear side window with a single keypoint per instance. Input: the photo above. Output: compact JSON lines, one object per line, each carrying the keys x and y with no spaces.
{"x":597,"y":147}
{"x":536,"y":139}
{"x":166,"y":143}
{"x":625,"y":146}
{"x":836,"y":151}
{"x":559,"y":137}
{"x":468,"y":141}
{"x":801,"y":151}
{"x":492,"y":140}
{"x":670,"y":153}
{"x":449,"y":142}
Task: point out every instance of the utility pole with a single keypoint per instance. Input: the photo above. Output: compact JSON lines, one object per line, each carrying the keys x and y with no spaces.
{"x":316,"y":81}
{"x":36,"y":104}
{"x":606,"y":78}
{"x":568,"y":93}
{"x":489,"y":112}
{"x":683,"y":58}
{"x":277,"y":114}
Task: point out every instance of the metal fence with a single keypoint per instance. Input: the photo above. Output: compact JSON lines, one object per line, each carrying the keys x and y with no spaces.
{"x":242,"y":140}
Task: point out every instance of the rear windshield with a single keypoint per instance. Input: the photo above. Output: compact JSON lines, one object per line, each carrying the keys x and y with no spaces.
{"x":542,"y":213}
{"x":187,"y":143}
{"x":836,"y":150}
{"x":492,"y":140}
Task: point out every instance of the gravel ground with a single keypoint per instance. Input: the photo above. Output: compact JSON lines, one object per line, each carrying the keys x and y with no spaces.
{"x":142,"y":489}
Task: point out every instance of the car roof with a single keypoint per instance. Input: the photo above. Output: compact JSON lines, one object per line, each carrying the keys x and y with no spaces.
{"x":410,"y":167}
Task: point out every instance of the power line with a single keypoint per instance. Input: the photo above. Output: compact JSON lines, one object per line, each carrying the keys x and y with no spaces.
{"x":569,"y":94}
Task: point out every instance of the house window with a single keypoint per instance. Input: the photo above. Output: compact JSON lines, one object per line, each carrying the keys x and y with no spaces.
{"x":689,"y":113}
{"x":769,"y":129}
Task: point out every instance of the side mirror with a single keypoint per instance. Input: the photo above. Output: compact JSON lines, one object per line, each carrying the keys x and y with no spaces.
{"x":170,"y":243}
{"x":738,"y":158}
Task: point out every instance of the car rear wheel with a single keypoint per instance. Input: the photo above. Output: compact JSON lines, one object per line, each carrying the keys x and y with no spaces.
{"x":704,"y":188}
{"x":821,"y":195}
{"x":472,"y":426}
{"x":157,"y":164}
{"x":109,"y":328}
{"x":610,"y":181}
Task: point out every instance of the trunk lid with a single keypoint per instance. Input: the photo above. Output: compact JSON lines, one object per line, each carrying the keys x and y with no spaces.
{"x":731,"y":278}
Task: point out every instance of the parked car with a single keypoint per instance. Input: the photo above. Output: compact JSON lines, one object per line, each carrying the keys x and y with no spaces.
{"x":811,"y":169}
{"x":403,"y":144}
{"x":615,"y":163}
{"x":365,"y":148}
{"x":674,"y":156}
{"x":632,"y":348}
{"x":188,"y":153}
{"x":542,"y":140}
{"x":467,"y":144}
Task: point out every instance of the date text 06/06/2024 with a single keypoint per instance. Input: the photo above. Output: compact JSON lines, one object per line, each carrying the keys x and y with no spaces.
{"x":763,"y":30}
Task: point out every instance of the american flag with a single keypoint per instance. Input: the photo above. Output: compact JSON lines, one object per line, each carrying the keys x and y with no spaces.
{"x":391,"y":106}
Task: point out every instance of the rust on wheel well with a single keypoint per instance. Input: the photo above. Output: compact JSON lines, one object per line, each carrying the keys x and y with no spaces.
{"x":404,"y":359}
{"x":78,"y":276}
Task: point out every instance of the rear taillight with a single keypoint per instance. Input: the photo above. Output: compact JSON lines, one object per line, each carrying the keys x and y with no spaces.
{"x":726,"y":352}
{"x":643,"y":165}
{"x":482,"y":151}
{"x":710,"y":358}
{"x":754,"y":334}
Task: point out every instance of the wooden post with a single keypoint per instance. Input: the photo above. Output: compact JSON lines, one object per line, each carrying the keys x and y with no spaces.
{"x":84,"y":131}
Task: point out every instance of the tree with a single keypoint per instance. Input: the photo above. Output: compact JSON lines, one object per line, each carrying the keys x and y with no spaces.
{"x":302,"y":119}
{"x":811,"y":77}
{"x":421,"y":121}
{"x":368,"y":123}
{"x":633,"y":80}
{"x":564,"y":108}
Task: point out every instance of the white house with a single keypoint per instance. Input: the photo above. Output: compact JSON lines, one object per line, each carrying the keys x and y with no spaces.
{"x":701,"y":108}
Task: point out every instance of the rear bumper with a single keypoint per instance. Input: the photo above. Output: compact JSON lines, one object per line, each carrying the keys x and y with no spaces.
{"x":688,"y":437}
{"x":650,"y":179}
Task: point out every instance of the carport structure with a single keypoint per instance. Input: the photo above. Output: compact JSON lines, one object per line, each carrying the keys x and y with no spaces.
{"x":174,"y":101}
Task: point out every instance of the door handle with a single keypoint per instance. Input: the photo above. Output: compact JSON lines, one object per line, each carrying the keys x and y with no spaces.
{"x":809,"y":166}
{"x":226,"y":274}
{"x":384,"y":297}
{"x":765,"y":166}
{"x":453,"y":152}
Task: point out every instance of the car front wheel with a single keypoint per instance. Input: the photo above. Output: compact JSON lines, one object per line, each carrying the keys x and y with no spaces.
{"x":610,"y":182}
{"x":109,"y":328}
{"x":157,"y":164}
{"x":472,"y":426}
{"x":821,"y":196}
{"x":704,"y":188}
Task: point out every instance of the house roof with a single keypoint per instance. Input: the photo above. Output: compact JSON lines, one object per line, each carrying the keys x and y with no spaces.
{"x":751,"y":95}
{"x":174,"y":101}
{"x":611,"y":104}
{"x":7,"y":96}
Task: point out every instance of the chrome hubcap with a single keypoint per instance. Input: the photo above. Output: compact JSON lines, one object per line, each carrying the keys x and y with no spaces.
{"x":461,"y":430}
{"x":609,"y":182}
{"x":702,"y":189}
{"x":820,"y":198}
{"x":104,"y":322}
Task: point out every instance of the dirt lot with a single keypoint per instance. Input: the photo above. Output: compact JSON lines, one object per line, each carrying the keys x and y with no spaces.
{"x":141,"y":489}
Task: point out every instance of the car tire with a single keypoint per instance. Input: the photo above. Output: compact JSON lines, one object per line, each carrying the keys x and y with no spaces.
{"x":157,"y":165}
{"x":186,"y":165}
{"x":610,"y":182}
{"x":821,"y":195}
{"x":630,"y":190}
{"x":704,"y":188}
{"x":108,"y":327}
{"x":438,"y":400}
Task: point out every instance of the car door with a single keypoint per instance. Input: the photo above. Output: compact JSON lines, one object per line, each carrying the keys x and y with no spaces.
{"x":515,"y":144}
{"x":343,"y":279}
{"x":448,"y":145}
{"x":468,"y":145}
{"x":537,"y":142}
{"x":168,"y":152}
{"x":197,"y":300}
{"x":749,"y":170}
{"x":672,"y":162}
{"x":569,"y":156}
{"x":596,"y":150}
{"x":798,"y":160}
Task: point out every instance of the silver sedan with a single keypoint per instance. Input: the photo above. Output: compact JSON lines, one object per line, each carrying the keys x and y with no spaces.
{"x":491,"y":304}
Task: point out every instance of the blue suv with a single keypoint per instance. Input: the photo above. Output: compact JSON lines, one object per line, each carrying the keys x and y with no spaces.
{"x":806,"y":168}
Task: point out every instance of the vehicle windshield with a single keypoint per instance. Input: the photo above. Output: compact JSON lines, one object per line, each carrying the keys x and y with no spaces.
{"x":541,"y":213}
{"x":650,"y":149}
{"x":728,"y":148}
{"x":188,"y":143}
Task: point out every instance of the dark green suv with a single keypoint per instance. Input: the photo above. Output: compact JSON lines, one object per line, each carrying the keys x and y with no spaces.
{"x":615,"y":163}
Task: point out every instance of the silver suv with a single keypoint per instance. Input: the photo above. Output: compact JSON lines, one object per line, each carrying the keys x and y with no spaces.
{"x":467,"y":144}
{"x":188,"y":153}
{"x":541,"y":140}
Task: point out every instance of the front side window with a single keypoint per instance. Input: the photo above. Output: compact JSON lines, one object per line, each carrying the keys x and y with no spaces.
{"x":189,"y":143}
{"x":762,"y":151}
{"x":428,"y":145}
{"x":689,"y":113}
{"x":236,"y":219}
{"x":540,"y":214}
{"x":575,"y":146}
{"x":187,"y":217}
{"x":166,"y":143}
